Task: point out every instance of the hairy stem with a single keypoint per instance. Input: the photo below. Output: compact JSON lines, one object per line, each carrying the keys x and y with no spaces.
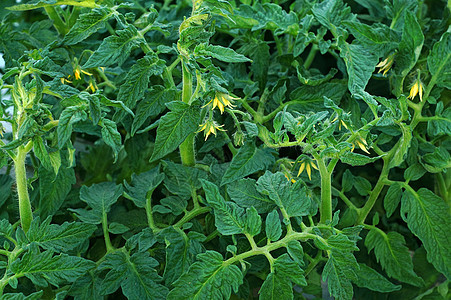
{"x":106,"y":235}
{"x":187,"y":153}
{"x":25,"y":212}
{"x":326,"y":191}
{"x":58,"y":23}
{"x":150,"y":220}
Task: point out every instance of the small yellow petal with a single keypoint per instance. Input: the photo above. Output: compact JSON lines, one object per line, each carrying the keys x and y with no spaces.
{"x":309,"y":171}
{"x":413,"y":91}
{"x":344,"y":124}
{"x":301,"y":169}
{"x":421,"y":91}
{"x":77,"y":74}
{"x":382,"y":63}
{"x":362,"y":146}
{"x":84,"y":72}
{"x":313,"y":165}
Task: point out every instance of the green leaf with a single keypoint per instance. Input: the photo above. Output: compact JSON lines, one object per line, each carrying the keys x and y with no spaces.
{"x":221,"y":53}
{"x":378,"y":38}
{"x":304,"y":37}
{"x":114,"y":49}
{"x":392,"y":198}
{"x":181,"y":252}
{"x":414,"y":172}
{"x":41,"y":152}
{"x":68,"y":117}
{"x":286,"y":267}
{"x":428,"y":217}
{"x":276,"y":286}
{"x":267,"y":16}
{"x":360,"y":64}
{"x":439,"y":61}
{"x":356,"y":159}
{"x":438,"y":161}
{"x":208,"y":278}
{"x":331,"y":14}
{"x":371,"y":279}
{"x":111,"y":136}
{"x":143,"y":185}
{"x":181,"y":180}
{"x":100,"y":197}
{"x":441,"y":122}
{"x":296,"y":252}
{"x":292,"y":198}
{"x":273,"y":226}
{"x":43,"y":267}
{"x":410,"y":46}
{"x":174,"y":127}
{"x":393,"y":255}
{"x":53,"y":189}
{"x":152,"y":105}
{"x":402,"y":146}
{"x":245,"y":194}
{"x":340,"y":269}
{"x":88,"y":24}
{"x":135,"y":274}
{"x":137,"y":79}
{"x":59,"y":238}
{"x":229,"y":217}
{"x":311,"y":98}
{"x":248,"y":160}
{"x":86,"y":287}
{"x":253,"y":221}
{"x":314,"y":77}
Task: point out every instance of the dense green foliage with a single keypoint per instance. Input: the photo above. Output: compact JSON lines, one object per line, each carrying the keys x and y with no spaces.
{"x":214,"y":149}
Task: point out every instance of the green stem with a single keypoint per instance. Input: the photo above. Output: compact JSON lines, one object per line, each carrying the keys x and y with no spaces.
{"x":345,"y":199}
{"x":365,"y":210}
{"x":25,"y":212}
{"x":326,"y":191}
{"x":187,"y":153}
{"x":192,"y":214}
{"x":273,"y":246}
{"x":311,"y":56}
{"x":106,"y":235}
{"x":57,"y":21}
{"x":150,"y":220}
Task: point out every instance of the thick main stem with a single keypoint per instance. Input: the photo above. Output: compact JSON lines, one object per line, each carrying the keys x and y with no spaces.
{"x":326,"y":192}
{"x":187,"y":153}
{"x":25,"y":212}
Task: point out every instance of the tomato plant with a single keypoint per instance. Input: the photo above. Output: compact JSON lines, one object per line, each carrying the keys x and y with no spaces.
{"x":213,"y":149}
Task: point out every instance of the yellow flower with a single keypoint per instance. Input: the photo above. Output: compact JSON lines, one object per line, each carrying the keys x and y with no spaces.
{"x":221,"y":101}
{"x":288,"y":178}
{"x":78,"y":71}
{"x":210,"y":127}
{"x":340,"y":123}
{"x":386,"y":64}
{"x":307,"y":164}
{"x":361,"y":142}
{"x":64,"y":80}
{"x":92,"y":86}
{"x":415,"y":89}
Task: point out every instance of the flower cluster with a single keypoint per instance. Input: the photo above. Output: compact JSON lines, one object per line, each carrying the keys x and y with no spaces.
{"x":209,"y":127}
{"x":416,"y":89}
